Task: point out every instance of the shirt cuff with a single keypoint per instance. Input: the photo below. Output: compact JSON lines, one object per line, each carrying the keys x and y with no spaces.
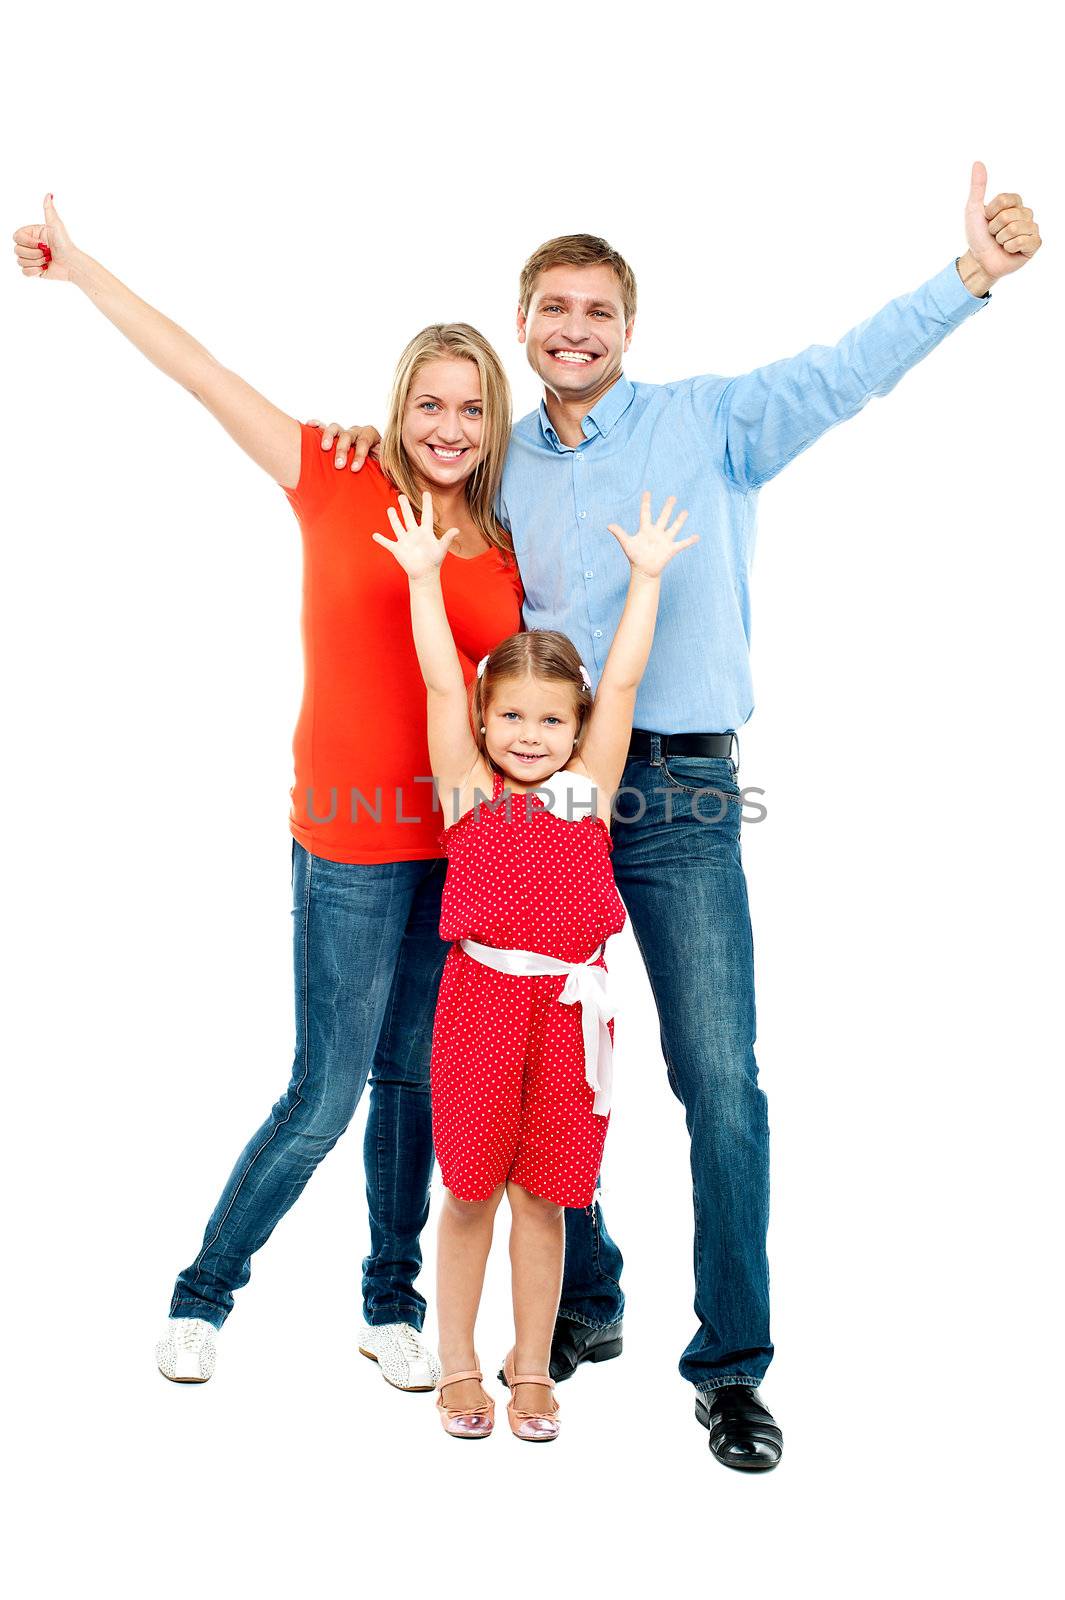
{"x":950,"y":296}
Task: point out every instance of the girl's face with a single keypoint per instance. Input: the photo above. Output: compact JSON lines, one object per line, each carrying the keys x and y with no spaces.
{"x":443,"y":420}
{"x":530,"y":728}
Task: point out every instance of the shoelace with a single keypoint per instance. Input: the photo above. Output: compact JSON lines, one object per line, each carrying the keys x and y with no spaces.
{"x":414,"y":1350}
{"x":191,"y":1335}
{"x":410,"y":1342}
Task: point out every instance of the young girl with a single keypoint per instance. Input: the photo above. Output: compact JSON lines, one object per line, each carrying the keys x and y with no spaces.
{"x":522,"y":1038}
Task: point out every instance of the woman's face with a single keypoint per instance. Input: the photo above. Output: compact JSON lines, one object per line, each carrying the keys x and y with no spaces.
{"x":443,"y":420}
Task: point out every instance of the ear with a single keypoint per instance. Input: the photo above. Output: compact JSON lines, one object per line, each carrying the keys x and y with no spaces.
{"x":628,"y":333}
{"x":521,"y":326}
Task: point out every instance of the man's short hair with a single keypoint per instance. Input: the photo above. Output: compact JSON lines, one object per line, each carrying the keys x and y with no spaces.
{"x":578,"y":250}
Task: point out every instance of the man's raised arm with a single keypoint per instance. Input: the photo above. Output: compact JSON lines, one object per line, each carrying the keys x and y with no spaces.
{"x":766,"y":418}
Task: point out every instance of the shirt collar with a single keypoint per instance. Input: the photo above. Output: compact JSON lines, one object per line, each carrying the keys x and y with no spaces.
{"x":600,"y":419}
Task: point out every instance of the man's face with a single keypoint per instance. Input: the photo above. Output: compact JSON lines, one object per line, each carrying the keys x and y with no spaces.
{"x":575,"y":333}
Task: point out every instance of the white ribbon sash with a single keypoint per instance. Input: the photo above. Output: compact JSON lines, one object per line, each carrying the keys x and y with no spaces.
{"x":585,"y":983}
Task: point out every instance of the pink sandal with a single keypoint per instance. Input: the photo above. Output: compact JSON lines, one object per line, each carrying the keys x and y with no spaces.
{"x":535,"y":1427}
{"x":465,"y":1424}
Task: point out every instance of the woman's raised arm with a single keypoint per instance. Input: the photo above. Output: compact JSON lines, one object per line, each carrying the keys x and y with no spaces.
{"x":271,"y":438}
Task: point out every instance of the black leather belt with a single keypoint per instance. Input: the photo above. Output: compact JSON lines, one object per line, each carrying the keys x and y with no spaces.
{"x":679,"y":744}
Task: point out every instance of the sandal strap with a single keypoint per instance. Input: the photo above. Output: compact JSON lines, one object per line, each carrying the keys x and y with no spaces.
{"x":457,"y":1377}
{"x":532,"y":1377}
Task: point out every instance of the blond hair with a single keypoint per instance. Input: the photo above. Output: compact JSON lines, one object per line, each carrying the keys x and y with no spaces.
{"x":538,"y":653}
{"x":577,"y":250}
{"x":455,"y":341}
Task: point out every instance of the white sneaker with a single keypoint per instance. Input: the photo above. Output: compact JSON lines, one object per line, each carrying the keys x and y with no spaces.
{"x":186,"y":1352}
{"x":405,"y":1362}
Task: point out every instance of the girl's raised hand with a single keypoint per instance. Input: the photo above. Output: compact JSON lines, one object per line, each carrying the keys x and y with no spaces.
{"x":654,"y":544}
{"x":416,"y":547}
{"x":44,"y":249}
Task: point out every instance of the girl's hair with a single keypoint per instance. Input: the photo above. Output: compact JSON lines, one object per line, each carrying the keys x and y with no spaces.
{"x":540,"y":653}
{"x":455,"y":341}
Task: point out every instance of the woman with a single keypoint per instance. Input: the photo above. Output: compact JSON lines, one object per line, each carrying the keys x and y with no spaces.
{"x":367,"y":867}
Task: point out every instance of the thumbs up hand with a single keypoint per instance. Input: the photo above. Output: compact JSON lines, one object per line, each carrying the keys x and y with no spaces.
{"x":1002,"y":233}
{"x":44,"y":249}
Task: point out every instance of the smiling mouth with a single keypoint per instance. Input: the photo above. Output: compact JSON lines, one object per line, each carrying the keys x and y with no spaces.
{"x":573,"y":358}
{"x":442,"y":454}
{"x":519,"y":756}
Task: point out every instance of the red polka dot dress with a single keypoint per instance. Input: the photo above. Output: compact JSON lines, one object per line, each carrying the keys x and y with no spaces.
{"x":509,"y":1090}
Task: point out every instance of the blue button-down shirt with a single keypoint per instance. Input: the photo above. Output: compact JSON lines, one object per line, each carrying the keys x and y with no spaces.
{"x":712,"y":442}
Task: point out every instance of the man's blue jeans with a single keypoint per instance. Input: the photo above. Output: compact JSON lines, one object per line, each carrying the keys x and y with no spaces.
{"x":677,"y":864}
{"x":368,"y":958}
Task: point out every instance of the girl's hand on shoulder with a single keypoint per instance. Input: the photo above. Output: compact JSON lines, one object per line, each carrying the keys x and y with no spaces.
{"x":416,"y":547}
{"x":654,"y":544}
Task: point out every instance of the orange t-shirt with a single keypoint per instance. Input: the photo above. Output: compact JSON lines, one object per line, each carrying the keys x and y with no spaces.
{"x":360,"y":742}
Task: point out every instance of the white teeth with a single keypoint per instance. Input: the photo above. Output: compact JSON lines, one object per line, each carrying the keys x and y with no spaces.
{"x":445,"y":455}
{"x":571,"y":355}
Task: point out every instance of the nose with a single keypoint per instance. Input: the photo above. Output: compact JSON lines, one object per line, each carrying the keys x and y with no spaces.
{"x":449,"y":428}
{"x":574,"y":330}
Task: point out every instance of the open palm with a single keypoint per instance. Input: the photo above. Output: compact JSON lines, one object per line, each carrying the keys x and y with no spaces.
{"x":654,"y":544}
{"x":416,"y":546}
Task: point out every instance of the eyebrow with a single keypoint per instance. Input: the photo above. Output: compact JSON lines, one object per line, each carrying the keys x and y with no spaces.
{"x":476,"y":401}
{"x":581,"y":298}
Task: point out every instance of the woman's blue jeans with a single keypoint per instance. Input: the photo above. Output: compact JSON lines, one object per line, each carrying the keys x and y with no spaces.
{"x":677,"y":864}
{"x":368,"y":958}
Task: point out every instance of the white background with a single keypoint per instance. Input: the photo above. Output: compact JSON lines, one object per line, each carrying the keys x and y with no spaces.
{"x":303,"y":189}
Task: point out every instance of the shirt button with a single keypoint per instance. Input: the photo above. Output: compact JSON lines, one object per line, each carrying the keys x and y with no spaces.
{"x":598,"y":634}
{"x":589,"y":574}
{"x":582,"y":513}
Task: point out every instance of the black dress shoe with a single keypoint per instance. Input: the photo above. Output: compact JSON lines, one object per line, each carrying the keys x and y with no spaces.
{"x":743,"y":1432}
{"x":573,"y":1343}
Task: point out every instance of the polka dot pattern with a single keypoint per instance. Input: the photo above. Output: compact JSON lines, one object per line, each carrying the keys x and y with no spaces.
{"x":508,"y":1087}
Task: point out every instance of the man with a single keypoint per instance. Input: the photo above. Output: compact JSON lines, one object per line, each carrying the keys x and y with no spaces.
{"x":574,"y":465}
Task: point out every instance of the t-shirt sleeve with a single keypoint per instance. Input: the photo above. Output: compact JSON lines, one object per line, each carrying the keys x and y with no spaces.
{"x":319,"y":479}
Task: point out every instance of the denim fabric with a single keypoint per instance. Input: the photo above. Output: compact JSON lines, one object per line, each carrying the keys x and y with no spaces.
{"x":713,"y":442}
{"x":682,"y":882}
{"x":368,"y":958}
